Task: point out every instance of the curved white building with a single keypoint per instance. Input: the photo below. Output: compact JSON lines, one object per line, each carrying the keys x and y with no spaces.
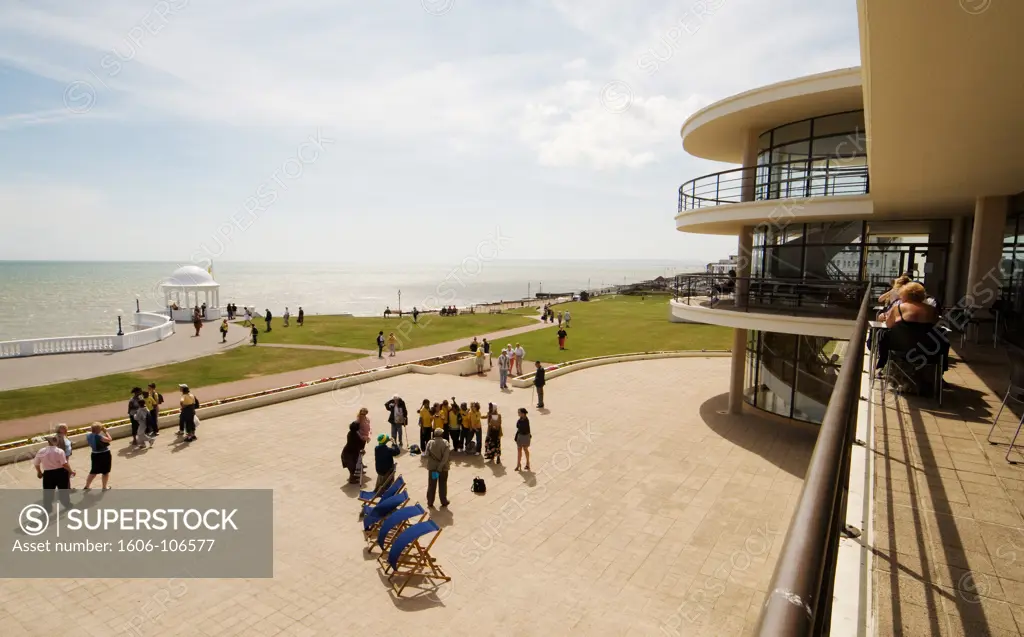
{"x":911,"y":162}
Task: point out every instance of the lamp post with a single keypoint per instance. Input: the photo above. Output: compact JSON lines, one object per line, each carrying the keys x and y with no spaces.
{"x":120,"y":332}
{"x":399,"y":302}
{"x":137,"y":310}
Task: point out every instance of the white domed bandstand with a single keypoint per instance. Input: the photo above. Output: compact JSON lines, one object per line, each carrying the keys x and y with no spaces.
{"x":188,"y":287}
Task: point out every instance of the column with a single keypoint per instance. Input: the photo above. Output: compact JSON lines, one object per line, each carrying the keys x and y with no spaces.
{"x":956,"y":254}
{"x":983,"y":272}
{"x":743,"y":253}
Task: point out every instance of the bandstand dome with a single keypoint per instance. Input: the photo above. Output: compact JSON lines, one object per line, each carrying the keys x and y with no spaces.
{"x":188,"y":287}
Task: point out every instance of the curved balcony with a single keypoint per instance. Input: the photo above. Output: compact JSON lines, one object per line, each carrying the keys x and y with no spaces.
{"x":801,"y":179}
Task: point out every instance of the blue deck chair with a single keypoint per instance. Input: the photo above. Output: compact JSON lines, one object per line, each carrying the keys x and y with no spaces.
{"x":376,"y":515}
{"x":408,"y":558}
{"x":391,"y":526}
{"x":398,"y":486}
{"x":373,"y":497}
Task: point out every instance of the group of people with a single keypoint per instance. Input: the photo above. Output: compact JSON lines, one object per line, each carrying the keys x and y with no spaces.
{"x":548,"y":314}
{"x":908,"y":303}
{"x":446,"y":427}
{"x":450,"y":310}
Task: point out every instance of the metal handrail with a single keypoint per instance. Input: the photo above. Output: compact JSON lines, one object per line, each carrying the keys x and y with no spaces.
{"x":825,"y":297}
{"x":811,"y":177}
{"x":799,"y":600}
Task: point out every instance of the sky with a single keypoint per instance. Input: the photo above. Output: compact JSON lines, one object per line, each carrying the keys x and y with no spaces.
{"x":335,"y":130}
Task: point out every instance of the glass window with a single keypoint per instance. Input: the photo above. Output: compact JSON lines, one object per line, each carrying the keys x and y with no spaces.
{"x":792,"y":132}
{"x":840,"y":123}
{"x":817,"y":367}
{"x":841,"y":232}
{"x":776,"y":373}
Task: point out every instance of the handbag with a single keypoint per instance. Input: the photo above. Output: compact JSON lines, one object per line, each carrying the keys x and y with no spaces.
{"x":479,"y":486}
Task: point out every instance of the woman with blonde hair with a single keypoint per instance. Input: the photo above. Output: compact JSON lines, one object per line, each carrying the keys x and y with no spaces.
{"x":911,"y":306}
{"x":392,"y":343}
{"x":363,"y":418}
{"x":890,"y":296}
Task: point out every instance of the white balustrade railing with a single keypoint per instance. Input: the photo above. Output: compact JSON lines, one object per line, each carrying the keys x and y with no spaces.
{"x":161,"y":328}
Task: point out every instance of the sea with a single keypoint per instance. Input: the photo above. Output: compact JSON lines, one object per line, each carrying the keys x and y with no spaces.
{"x":49,"y":298}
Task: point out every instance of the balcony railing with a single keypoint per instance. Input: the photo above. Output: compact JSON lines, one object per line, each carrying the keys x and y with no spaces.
{"x":804,"y":178}
{"x":837,"y":299}
{"x":799,"y":601}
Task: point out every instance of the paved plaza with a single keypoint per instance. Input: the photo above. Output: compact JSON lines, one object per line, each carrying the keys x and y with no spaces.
{"x":648,"y":512}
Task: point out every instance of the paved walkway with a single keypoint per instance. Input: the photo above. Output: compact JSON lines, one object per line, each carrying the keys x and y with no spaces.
{"x":949,"y":535}
{"x":326,"y":348}
{"x":181,"y":346}
{"x":26,"y":427}
{"x":647,"y":513}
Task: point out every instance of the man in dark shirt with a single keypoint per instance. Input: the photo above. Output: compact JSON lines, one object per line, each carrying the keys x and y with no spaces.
{"x":384,"y":461}
{"x":538,"y":382}
{"x":380,"y":344}
{"x":487,"y":347}
{"x":268,"y":318}
{"x":474,"y":345}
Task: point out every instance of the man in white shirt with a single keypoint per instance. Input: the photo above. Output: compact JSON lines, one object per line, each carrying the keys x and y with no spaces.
{"x":52,"y":466}
{"x":568,"y":317}
{"x":520,"y":353}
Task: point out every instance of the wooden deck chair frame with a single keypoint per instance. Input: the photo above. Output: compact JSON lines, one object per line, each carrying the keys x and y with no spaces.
{"x":385,"y":543}
{"x":416,"y":561}
{"x":375,"y":495}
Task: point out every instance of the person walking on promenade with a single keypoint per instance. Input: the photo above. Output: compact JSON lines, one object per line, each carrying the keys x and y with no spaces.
{"x":384,"y":461}
{"x":248,"y":318}
{"x":392,"y":343}
{"x":561,"y":338}
{"x":380,"y":344}
{"x":568,"y":317}
{"x":52,"y":468}
{"x":286,"y":316}
{"x":503,"y":364}
{"x":473,"y":346}
{"x":438,"y":462}
{"x":354,"y":446}
{"x":187,"y":416}
{"x":492,"y":451}
{"x":99,"y":441}
{"x":523,"y":438}
{"x":538,"y":382}
{"x":255,"y":334}
{"x":301,"y":318}
{"x":426,"y":423}
{"x":268,"y":317}
{"x":224,"y":331}
{"x":520,"y":355}
{"x":197,"y":321}
{"x":153,"y":401}
{"x":475,"y":429}
{"x":398,"y":416}
{"x":559,"y":319}
{"x":415,"y":315}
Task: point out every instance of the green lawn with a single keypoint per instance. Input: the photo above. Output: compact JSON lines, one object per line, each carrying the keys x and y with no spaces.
{"x":523,"y":311}
{"x":235,"y":364}
{"x":620,"y":325}
{"x":361,"y":332}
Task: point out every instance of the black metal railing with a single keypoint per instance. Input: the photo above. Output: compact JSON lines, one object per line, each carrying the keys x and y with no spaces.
{"x":840,"y":299}
{"x":803,"y":178}
{"x":799,"y":601}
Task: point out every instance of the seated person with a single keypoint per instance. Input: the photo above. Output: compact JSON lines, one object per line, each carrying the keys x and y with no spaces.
{"x":911,"y":306}
{"x":892,"y":296}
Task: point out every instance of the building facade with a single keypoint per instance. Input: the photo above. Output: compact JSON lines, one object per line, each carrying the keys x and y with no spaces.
{"x":847,"y":179}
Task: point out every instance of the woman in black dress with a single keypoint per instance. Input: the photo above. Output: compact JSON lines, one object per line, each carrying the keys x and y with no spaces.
{"x":354,"y":446}
{"x":99,"y":441}
{"x":522,"y":439}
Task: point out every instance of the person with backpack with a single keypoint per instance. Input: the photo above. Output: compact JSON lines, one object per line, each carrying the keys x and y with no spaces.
{"x":187,"y":417}
{"x":384,"y":461}
{"x":398,"y":416}
{"x":438,"y":462}
{"x":153,"y":401}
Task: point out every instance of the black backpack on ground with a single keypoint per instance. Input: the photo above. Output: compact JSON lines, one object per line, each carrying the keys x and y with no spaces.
{"x":479,"y":486}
